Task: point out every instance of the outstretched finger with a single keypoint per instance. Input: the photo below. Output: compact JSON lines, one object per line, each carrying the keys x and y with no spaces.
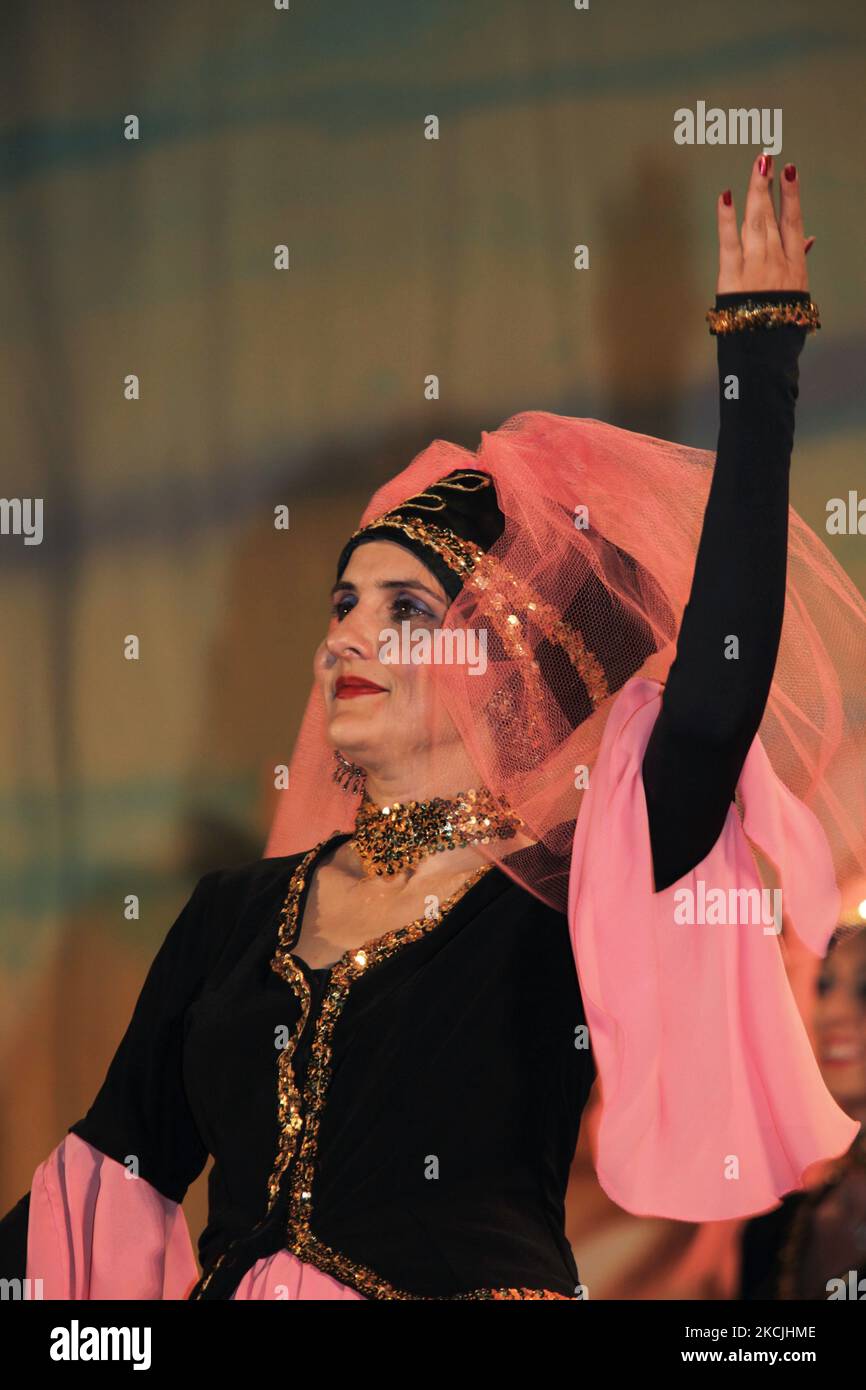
{"x":759,"y":223}
{"x":792,"y":214}
{"x":730,"y":250}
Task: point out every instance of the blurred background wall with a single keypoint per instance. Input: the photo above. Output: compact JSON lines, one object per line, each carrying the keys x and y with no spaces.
{"x":305,"y":387}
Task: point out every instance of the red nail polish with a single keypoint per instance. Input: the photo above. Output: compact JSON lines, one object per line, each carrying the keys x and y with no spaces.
{"x":790,"y":172}
{"x":726,"y":197}
{"x":762,"y":164}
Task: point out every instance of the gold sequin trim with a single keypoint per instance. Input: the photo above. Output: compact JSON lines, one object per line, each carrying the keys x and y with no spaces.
{"x":459,"y":555}
{"x":290,"y":1109}
{"x":753,"y":314}
{"x":509,"y":593}
{"x":351,"y":966}
{"x":513,"y":603}
{"x":197,"y":1292}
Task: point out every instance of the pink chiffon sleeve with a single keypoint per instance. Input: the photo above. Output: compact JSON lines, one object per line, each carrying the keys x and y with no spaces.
{"x":712,"y":1101}
{"x":94,"y":1232}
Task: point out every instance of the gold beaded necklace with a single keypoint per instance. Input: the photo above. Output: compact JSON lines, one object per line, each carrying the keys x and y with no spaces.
{"x":391,"y":838}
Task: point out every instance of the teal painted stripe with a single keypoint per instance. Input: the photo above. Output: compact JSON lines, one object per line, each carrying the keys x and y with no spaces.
{"x":36,"y":898}
{"x":59,"y":878}
{"x":349,"y":108}
{"x":94,"y":801}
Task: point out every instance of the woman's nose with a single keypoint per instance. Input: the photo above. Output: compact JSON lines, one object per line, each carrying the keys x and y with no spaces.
{"x":353,"y":634}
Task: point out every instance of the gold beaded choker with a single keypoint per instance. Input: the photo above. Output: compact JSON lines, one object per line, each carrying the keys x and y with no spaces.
{"x":396,"y":837}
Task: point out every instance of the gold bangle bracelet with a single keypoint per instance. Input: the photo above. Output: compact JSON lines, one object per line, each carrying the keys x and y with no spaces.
{"x":753,"y":314}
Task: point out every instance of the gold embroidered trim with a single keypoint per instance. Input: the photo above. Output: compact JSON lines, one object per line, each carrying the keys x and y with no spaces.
{"x":459,"y":555}
{"x":290,"y":1108}
{"x":522,"y":1293}
{"x":210,"y":1274}
{"x":753,"y":314}
{"x":509,"y":593}
{"x":422,"y":500}
{"x":354,"y":963}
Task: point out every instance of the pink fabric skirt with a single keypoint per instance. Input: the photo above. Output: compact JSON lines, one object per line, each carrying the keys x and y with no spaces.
{"x":94,"y":1232}
{"x":284,"y":1276}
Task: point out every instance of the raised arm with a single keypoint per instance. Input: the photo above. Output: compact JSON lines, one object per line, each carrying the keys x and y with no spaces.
{"x":718,"y":685}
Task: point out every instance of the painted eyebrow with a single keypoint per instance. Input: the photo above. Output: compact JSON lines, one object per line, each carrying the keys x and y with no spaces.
{"x":387,"y":584}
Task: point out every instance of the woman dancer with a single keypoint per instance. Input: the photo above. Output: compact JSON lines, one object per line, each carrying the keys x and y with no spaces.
{"x":382,"y":1030}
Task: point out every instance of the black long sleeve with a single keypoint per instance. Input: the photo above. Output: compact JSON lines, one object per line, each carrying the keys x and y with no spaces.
{"x":713,"y":703}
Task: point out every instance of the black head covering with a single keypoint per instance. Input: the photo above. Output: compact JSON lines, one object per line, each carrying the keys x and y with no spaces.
{"x":464,"y":501}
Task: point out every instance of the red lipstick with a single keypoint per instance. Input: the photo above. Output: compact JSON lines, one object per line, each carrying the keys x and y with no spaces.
{"x":347,"y":687}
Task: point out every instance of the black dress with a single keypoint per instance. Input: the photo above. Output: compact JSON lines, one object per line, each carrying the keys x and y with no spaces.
{"x":426,"y":1071}
{"x":415,"y":1139}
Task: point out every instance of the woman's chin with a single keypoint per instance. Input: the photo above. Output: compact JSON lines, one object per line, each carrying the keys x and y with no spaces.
{"x":353,"y":732}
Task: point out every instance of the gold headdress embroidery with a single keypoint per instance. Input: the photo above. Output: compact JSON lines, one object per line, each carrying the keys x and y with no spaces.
{"x":456,"y":484}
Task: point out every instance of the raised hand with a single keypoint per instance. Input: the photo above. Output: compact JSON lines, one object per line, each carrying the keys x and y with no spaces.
{"x":768,"y":253}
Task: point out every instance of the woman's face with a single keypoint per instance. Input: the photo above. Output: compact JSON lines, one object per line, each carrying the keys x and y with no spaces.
{"x":840,"y":1022}
{"x":382,"y":586}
